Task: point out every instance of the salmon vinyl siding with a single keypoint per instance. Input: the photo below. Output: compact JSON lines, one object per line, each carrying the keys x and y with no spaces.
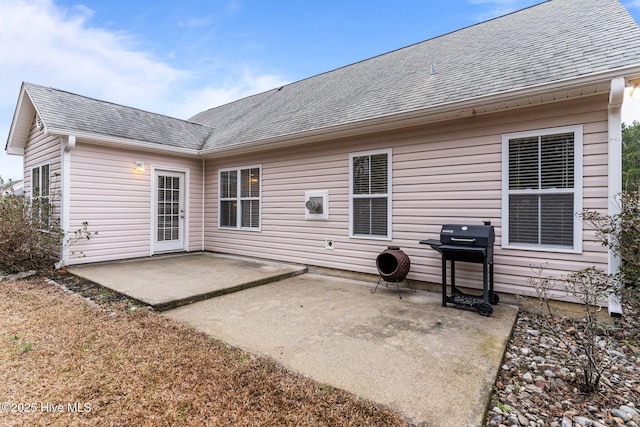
{"x":39,"y":150}
{"x":446,"y":173}
{"x":116,"y":201}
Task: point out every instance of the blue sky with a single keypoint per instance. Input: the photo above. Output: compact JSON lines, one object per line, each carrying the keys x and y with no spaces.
{"x":179,"y":57}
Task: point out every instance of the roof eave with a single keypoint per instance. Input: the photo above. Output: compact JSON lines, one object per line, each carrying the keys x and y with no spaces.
{"x":560,"y":90}
{"x":114,"y":141}
{"x":21,"y":124}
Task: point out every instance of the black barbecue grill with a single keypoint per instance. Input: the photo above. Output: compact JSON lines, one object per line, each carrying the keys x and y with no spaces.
{"x":467,"y":243}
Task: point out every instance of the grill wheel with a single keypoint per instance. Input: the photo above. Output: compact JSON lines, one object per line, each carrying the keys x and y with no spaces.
{"x":485,"y":309}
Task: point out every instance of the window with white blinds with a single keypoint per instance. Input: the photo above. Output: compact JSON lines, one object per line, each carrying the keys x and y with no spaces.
{"x":370,"y":194}
{"x":240,"y":198}
{"x":543,"y":182}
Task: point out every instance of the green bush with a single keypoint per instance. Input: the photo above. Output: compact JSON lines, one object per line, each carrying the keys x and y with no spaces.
{"x":29,"y":238}
{"x":621,"y":234}
{"x":631,"y":156}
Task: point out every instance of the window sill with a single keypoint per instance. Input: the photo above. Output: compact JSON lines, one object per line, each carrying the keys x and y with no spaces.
{"x":538,"y":248}
{"x":365,"y":237}
{"x":240,"y":229}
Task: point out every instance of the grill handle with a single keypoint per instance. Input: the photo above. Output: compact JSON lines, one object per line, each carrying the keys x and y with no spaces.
{"x":460,"y":239}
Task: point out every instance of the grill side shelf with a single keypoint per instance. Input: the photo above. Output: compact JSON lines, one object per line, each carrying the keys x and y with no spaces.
{"x":435,"y":244}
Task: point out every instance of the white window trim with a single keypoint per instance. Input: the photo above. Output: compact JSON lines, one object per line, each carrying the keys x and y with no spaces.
{"x":388,"y":195}
{"x":48,"y":196}
{"x":239,"y":199}
{"x":578,"y":131}
{"x":153,"y":223}
{"x":40,"y":166}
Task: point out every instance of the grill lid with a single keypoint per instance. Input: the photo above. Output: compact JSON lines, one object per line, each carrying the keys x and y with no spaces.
{"x":467,"y":235}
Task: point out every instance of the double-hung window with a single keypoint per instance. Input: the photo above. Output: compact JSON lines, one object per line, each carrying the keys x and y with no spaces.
{"x":240,"y":197}
{"x":40,"y":195}
{"x":370,"y":194}
{"x":542,"y":190}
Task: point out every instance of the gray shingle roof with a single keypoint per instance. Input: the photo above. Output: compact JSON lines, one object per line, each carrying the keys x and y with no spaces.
{"x":64,"y":110}
{"x":552,"y":41}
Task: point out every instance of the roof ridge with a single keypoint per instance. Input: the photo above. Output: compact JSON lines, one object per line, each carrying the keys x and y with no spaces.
{"x":423,"y":41}
{"x":112,"y":103}
{"x":263,"y":93}
{"x":378,"y":56}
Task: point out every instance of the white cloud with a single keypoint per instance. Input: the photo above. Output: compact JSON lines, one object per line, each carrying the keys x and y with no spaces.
{"x":195,"y":22}
{"x":235,"y":5}
{"x":46,"y":44}
{"x":210,"y":96}
{"x":632,"y":4}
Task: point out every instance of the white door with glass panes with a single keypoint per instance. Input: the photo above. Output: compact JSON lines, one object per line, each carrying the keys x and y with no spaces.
{"x":169,"y":215}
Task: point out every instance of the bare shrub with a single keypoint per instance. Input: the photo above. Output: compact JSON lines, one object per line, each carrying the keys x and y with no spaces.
{"x":591,"y":286}
{"x":543,"y":286}
{"x":589,"y":343}
{"x":26,"y":243}
{"x":30,"y":235}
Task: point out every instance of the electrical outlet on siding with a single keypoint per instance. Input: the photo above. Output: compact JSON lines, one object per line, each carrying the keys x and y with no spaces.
{"x":329,"y":244}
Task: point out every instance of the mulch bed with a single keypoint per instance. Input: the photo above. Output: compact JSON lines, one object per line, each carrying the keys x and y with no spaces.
{"x":92,"y":290}
{"x":65,"y":361}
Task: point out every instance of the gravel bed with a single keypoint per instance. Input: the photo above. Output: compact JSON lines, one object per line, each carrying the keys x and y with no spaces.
{"x":540,"y":381}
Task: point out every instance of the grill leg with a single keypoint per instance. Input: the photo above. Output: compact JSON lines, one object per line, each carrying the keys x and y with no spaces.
{"x":444,"y":280}
{"x":485,"y":283}
{"x":454,"y":290}
{"x":493,"y":297}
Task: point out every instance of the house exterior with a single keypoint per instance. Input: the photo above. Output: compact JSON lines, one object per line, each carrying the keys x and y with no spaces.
{"x":515,"y":121}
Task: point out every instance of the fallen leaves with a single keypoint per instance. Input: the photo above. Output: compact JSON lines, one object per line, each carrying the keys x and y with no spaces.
{"x":138,"y":368}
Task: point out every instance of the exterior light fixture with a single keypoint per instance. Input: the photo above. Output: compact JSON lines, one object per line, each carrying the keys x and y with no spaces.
{"x":635,"y":91}
{"x":138,"y":166}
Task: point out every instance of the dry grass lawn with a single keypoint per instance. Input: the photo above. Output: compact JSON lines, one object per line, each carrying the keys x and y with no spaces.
{"x":58,"y":354}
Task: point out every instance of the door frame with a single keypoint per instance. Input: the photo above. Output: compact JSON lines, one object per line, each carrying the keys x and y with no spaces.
{"x":155,"y":171}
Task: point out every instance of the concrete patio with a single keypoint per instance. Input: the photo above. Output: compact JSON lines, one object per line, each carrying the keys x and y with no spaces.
{"x":173,"y":280}
{"x":434,"y":365}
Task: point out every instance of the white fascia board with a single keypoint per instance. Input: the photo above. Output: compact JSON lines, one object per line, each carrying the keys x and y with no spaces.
{"x":431,"y":114}
{"x":20,"y":124}
{"x":15,"y":151}
{"x":123,"y":142}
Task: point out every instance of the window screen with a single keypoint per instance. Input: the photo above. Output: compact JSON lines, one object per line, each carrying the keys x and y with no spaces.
{"x":240,"y":198}
{"x":541,"y":190}
{"x":370,"y":194}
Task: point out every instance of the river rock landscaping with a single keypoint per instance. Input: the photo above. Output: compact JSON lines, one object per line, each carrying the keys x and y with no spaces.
{"x":539,"y":383}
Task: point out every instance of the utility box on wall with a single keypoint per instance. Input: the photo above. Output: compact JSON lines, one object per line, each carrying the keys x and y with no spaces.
{"x":316,"y":205}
